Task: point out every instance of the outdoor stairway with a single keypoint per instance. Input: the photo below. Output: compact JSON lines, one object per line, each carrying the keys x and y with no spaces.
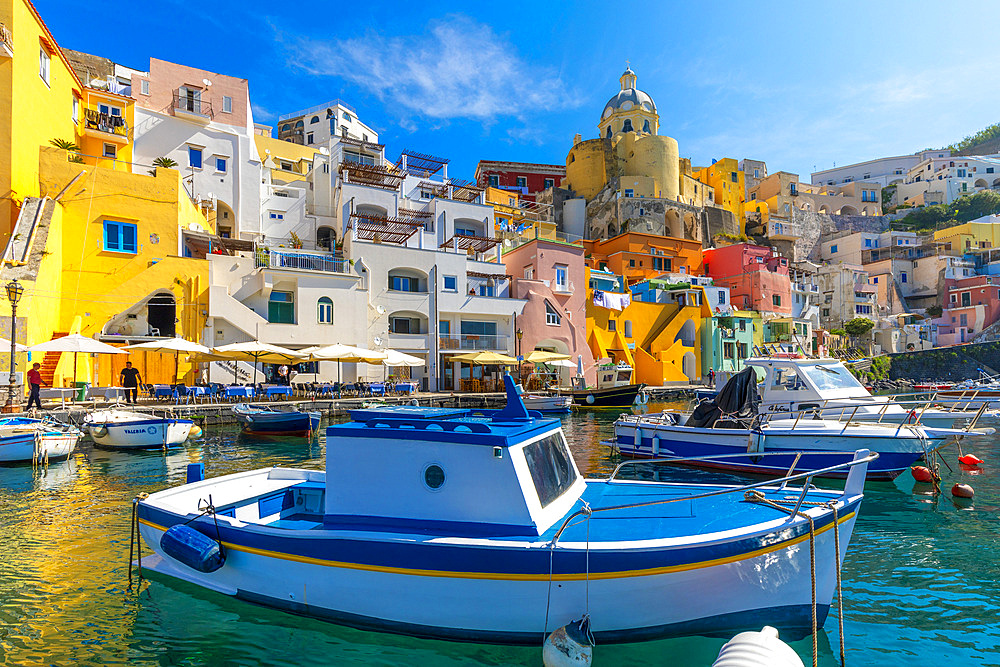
{"x":50,"y":361}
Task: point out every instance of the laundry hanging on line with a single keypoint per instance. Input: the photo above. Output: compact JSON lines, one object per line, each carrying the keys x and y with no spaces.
{"x":611,"y":300}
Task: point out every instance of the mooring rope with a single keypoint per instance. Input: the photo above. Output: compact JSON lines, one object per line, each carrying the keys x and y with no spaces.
{"x":840,"y":593}
{"x":756,"y":496}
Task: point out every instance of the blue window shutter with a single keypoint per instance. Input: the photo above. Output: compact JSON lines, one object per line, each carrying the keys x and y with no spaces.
{"x":111,"y":238}
{"x":129,"y":234}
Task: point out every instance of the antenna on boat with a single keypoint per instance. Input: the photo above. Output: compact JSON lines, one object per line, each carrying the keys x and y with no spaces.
{"x":514,"y":410}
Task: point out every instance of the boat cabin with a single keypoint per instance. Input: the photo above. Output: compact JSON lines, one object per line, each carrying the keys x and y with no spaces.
{"x":474,"y":473}
{"x":805,"y":382}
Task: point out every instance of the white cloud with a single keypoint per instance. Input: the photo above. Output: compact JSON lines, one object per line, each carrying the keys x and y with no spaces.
{"x":457,"y":69}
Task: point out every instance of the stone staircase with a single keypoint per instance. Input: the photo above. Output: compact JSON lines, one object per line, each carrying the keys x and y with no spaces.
{"x":51,"y":360}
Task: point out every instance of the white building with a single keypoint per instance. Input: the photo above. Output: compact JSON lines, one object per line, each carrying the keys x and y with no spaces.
{"x":316,"y":126}
{"x":203,"y":122}
{"x":885,"y":171}
{"x":939,"y":180}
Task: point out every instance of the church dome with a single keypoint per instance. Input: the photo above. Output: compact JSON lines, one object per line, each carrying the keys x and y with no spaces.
{"x":629,"y":97}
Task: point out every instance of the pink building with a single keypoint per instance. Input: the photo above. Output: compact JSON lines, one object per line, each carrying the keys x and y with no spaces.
{"x":550,"y":276}
{"x":970,"y":305}
{"x":757,"y":278}
{"x":194,"y":94}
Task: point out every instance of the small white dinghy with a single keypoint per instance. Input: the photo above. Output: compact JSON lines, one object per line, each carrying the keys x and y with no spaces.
{"x":115,"y":428}
{"x":546,"y":402}
{"x":24,"y":440}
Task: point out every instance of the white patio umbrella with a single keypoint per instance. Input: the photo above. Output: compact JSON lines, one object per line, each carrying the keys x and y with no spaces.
{"x":76,"y":343}
{"x":397,"y":358}
{"x":175,"y":345}
{"x":255,"y":352}
{"x":564,"y":363}
{"x":5,"y":346}
{"x":348,"y":353}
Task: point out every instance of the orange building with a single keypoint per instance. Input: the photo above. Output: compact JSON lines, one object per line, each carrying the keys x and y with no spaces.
{"x":639,"y":256}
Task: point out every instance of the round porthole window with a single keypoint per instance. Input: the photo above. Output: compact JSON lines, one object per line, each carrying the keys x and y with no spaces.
{"x":434,"y":477}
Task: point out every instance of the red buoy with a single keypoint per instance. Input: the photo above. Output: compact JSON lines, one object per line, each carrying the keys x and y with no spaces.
{"x":970,"y":460}
{"x":921,"y":473}
{"x":962,"y":491}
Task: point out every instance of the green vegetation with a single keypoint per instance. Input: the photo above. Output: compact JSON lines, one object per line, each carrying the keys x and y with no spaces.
{"x":69,"y":147}
{"x":888,"y":192}
{"x":880,"y":368}
{"x":858,"y":327}
{"x":838,"y":332}
{"x":986,"y":134}
{"x":935,"y":311}
{"x":735,"y":238}
{"x":963,"y":209}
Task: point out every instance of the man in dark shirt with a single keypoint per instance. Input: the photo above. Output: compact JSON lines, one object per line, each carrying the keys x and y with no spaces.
{"x":35,"y":382}
{"x":130,"y":379}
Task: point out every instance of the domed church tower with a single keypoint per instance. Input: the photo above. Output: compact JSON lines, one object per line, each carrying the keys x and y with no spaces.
{"x":631,"y":110}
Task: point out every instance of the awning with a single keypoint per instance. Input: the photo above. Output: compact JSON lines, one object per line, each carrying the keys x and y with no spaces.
{"x":202,"y":243}
{"x":495,"y":276}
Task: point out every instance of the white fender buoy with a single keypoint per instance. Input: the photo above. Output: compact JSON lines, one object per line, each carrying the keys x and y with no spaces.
{"x":569,"y":646}
{"x":757,"y":649}
{"x":590,"y":399}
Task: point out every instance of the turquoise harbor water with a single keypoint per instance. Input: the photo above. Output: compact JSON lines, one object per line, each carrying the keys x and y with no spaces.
{"x":920,"y":580}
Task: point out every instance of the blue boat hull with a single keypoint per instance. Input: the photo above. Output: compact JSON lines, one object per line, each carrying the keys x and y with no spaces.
{"x":887,"y":466}
{"x":285,"y":424}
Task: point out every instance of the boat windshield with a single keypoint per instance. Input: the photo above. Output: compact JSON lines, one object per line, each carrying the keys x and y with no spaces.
{"x":835,"y":376}
{"x":550,"y":466}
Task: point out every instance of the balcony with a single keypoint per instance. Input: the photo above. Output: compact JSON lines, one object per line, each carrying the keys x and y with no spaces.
{"x":105,"y":126}
{"x":192,"y":107}
{"x":463,"y":342}
{"x":6,"y":42}
{"x":268,"y":258}
{"x":783,"y":231}
{"x":408,"y":342}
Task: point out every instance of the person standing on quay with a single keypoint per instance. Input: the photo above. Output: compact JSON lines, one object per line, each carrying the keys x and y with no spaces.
{"x":130,"y":379}
{"x":35,"y":383}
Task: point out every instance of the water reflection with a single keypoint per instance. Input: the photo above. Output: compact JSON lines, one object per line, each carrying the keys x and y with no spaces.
{"x":919,"y":580}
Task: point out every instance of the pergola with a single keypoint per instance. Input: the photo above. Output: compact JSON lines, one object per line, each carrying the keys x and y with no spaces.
{"x":474,"y":243}
{"x":201,"y":244}
{"x":464,"y":190}
{"x":420,"y":164}
{"x":373,"y":175}
{"x":383,"y":228}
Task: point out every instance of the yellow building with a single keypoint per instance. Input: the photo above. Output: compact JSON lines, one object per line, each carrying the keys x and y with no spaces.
{"x":660,"y":337}
{"x":287,"y":161}
{"x":40,"y":100}
{"x":969,"y":236}
{"x":105,"y":258}
{"x":105,"y":129}
{"x":517,"y":220}
{"x":629,"y":147}
{"x":728,"y":185}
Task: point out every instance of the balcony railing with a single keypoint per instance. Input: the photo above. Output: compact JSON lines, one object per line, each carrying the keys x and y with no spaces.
{"x":186,"y":104}
{"x":473,"y":342}
{"x":283,"y":259}
{"x":783,"y":230}
{"x":105,"y":122}
{"x":6,"y":40}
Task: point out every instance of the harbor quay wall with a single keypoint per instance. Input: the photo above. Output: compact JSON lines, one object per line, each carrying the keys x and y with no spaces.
{"x":955,"y":363}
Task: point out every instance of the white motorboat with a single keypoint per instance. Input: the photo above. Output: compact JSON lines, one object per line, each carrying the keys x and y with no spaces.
{"x":477,"y":526}
{"x":115,"y":428}
{"x":24,"y":440}
{"x":826,"y":387}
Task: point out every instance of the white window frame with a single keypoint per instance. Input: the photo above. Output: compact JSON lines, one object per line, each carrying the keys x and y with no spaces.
{"x":112,"y":154}
{"x":227,"y":104}
{"x":44,"y":65}
{"x":226,"y":160}
{"x":445,"y":287}
{"x":562,"y":285}
{"x":529,"y":272}
{"x":552,"y":316}
{"x":144,"y":86}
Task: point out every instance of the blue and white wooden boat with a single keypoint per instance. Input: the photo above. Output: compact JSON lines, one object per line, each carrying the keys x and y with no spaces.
{"x":477,"y":526}
{"x":114,"y":428}
{"x":26,"y":440}
{"x":811,"y":444}
{"x":261,"y":420}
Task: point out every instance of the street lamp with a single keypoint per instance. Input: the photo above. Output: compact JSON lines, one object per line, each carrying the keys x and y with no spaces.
{"x":519,"y":335}
{"x":14,"y":292}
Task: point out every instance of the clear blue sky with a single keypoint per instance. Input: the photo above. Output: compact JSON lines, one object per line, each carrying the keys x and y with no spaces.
{"x":796,"y":84}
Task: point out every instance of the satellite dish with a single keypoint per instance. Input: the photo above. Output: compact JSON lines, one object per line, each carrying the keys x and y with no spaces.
{"x":377,"y":340}
{"x":195,"y":227}
{"x":380,"y":310}
{"x":206,"y":82}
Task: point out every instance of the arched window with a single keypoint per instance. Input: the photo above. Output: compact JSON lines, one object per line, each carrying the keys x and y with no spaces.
{"x":300,"y":124}
{"x":627,"y":125}
{"x":286,"y":127}
{"x":645,"y":127}
{"x":314,"y":119}
{"x":609,"y":132}
{"x":324,"y":310}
